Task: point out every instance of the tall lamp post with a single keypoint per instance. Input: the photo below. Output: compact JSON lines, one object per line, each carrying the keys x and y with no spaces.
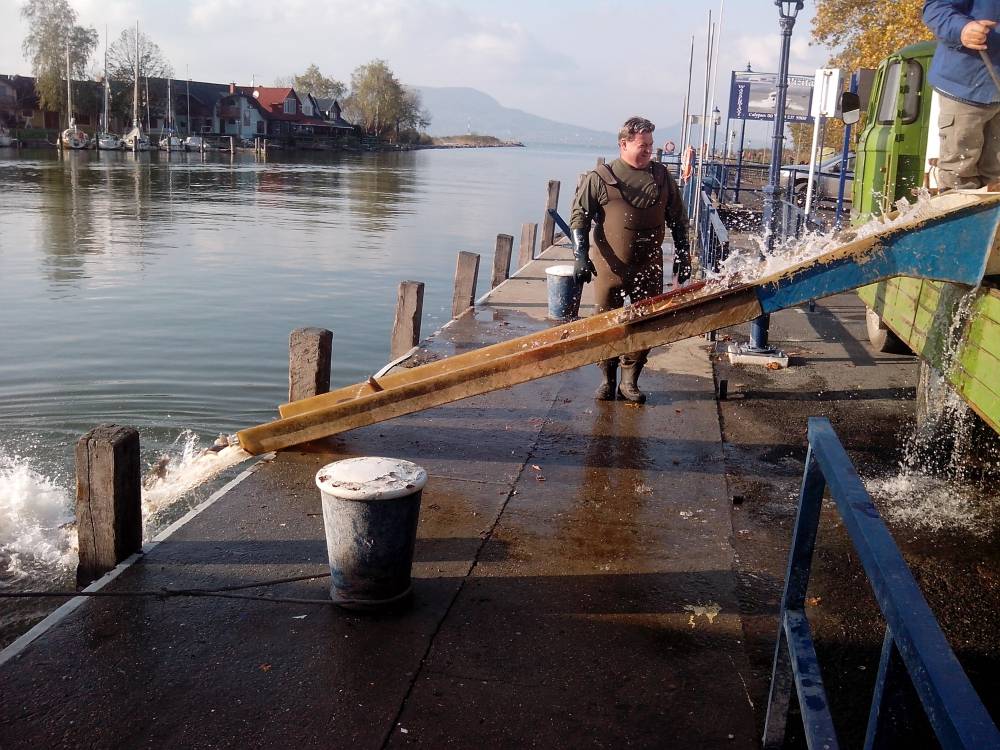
{"x":787,"y":10}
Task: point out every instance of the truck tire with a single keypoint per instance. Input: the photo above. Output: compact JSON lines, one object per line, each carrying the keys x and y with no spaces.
{"x":881,"y":338}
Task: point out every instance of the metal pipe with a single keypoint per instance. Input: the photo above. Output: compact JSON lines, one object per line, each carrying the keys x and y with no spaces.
{"x":701,"y":145}
{"x":687,"y":101}
{"x":842,"y":182}
{"x":772,"y":197}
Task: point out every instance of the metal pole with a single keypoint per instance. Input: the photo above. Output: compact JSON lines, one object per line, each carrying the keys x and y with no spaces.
{"x":687,"y":101}
{"x":739,"y":159}
{"x":704,"y":126}
{"x":739,"y":156}
{"x":843,"y":161}
{"x":772,"y":192}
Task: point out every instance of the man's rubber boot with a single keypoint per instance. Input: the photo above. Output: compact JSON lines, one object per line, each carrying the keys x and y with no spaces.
{"x":629,"y":390}
{"x":606,"y":390}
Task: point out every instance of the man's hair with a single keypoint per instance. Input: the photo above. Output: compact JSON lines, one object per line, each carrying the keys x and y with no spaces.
{"x":633,"y":126}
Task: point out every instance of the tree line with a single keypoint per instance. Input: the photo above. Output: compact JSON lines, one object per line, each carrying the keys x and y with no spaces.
{"x":376,"y":100}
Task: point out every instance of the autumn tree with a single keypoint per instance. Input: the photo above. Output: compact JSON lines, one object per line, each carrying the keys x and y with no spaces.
{"x":376,"y":98}
{"x":121,"y":70}
{"x":312,"y":81}
{"x":52,"y":35}
{"x":380,"y":104}
{"x":861,"y":33}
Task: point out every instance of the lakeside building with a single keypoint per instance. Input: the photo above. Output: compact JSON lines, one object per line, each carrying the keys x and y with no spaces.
{"x":199,"y":108}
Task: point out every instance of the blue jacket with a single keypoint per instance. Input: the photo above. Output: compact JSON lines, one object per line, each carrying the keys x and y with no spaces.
{"x":955,"y":70}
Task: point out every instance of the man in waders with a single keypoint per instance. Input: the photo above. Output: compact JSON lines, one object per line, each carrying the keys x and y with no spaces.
{"x":630,"y":201}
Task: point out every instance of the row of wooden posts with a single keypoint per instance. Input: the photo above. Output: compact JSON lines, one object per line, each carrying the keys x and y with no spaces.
{"x":108,"y":468}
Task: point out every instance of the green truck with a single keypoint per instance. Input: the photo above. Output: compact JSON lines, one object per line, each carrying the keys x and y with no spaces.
{"x":959,"y":338}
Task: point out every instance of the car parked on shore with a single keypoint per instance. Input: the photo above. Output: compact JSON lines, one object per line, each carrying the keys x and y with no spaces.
{"x":826,"y":179}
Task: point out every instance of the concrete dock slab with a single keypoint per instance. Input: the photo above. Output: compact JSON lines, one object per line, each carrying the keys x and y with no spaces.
{"x":581,"y":577}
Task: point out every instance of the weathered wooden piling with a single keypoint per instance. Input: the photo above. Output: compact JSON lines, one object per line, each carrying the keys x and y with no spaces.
{"x":409,"y":311}
{"x":501,"y":259}
{"x":526,"y":252}
{"x":108,"y":499}
{"x":309,"y":352}
{"x":548,"y":223}
{"x":466,"y":272}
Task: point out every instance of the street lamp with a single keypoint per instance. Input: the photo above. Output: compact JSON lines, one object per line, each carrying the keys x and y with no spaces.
{"x":787,"y":10}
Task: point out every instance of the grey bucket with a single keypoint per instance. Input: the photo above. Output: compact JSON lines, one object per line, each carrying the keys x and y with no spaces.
{"x":564,"y":292}
{"x":371,"y":507}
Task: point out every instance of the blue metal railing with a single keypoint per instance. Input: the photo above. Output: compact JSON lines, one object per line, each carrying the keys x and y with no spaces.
{"x":916,"y":657}
{"x":713,"y":237}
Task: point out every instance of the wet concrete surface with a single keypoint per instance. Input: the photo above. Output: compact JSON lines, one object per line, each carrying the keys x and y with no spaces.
{"x":586,"y":574}
{"x":573,"y":587}
{"x":869,"y":399}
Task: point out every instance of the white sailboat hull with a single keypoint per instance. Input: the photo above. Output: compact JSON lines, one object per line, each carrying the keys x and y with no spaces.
{"x":74,"y":139}
{"x":136,"y":140}
{"x":110,"y":142}
{"x":171,"y":143}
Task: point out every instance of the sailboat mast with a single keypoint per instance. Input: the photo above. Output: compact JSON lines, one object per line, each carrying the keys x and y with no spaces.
{"x":107,"y":86}
{"x":69,"y":92}
{"x":135,"y":97}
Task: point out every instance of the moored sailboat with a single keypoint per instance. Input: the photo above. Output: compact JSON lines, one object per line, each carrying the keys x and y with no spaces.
{"x":171,"y":141}
{"x":106,"y":140}
{"x":72,"y":137}
{"x":135,"y":139}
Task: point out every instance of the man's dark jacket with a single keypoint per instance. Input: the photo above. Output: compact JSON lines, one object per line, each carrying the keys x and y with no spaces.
{"x":956,"y":71}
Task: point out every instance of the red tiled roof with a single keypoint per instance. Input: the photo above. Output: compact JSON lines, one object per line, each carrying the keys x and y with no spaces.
{"x":273,"y":99}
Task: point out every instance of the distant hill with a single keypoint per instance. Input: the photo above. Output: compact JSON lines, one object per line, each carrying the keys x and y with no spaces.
{"x":458,"y":111}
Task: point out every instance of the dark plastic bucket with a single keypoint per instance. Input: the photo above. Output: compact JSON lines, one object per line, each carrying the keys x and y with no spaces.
{"x":370,"y":511}
{"x":564,"y":293}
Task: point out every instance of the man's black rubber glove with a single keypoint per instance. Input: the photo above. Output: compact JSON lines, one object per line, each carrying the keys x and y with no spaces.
{"x":583,"y":267}
{"x":682,"y":262}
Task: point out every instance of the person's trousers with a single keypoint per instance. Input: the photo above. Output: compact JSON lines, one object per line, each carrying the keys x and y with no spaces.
{"x":637,"y":281}
{"x":970,"y":144}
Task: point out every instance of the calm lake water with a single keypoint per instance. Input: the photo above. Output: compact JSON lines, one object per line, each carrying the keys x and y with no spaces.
{"x":160,"y":293}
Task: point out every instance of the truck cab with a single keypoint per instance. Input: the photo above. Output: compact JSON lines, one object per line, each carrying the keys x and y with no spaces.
{"x":899,"y":139}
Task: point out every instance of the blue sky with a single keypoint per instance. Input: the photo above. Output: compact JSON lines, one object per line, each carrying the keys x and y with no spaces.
{"x":587,"y":62}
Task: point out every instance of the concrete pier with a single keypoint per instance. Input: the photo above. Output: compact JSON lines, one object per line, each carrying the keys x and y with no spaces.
{"x":586,"y":574}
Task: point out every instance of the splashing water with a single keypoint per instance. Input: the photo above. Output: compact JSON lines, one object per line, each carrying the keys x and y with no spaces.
{"x":946,"y":479}
{"x":746,"y":265}
{"x":38,"y":537}
{"x":179,"y":470}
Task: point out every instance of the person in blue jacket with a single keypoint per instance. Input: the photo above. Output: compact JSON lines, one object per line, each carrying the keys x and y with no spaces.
{"x":969,"y":119}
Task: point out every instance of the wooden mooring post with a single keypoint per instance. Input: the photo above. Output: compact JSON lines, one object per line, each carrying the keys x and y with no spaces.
{"x":108,"y":499}
{"x":526,"y":252}
{"x":501,"y":259}
{"x":466,"y":272}
{"x":409,"y":312}
{"x":309,"y":355}
{"x":548,"y":223}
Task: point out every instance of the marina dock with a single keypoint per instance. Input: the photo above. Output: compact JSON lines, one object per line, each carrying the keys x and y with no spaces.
{"x":586,"y":574}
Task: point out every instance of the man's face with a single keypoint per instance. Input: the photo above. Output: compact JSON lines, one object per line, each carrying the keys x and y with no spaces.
{"x":637,"y":152}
